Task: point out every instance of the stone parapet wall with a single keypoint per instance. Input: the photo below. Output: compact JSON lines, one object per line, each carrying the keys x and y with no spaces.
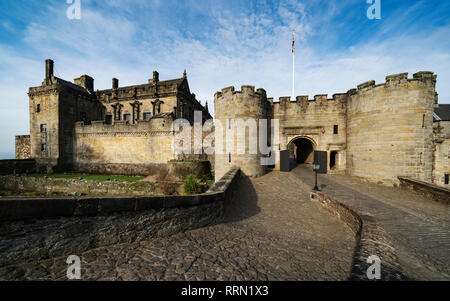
{"x":41,"y":228}
{"x":431,"y":191}
{"x":371,"y":238}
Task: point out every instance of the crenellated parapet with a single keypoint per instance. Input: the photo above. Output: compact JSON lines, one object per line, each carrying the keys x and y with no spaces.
{"x":245,"y":89}
{"x":426,"y":78}
{"x":230,"y":103}
{"x":304,"y":103}
{"x":338,"y":97}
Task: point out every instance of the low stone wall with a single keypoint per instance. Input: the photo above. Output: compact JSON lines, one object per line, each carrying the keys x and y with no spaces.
{"x":43,"y":186}
{"x":179,"y":170}
{"x":41,"y":228}
{"x":144,"y":169}
{"x":431,"y":191}
{"x":8,"y":167}
{"x":371,"y":238}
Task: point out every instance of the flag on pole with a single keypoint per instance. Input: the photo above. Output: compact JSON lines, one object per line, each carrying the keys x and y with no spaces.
{"x":293,"y":42}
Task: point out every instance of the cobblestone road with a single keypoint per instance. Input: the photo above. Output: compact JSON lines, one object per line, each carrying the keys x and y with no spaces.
{"x":420,"y":227}
{"x":271,"y":232}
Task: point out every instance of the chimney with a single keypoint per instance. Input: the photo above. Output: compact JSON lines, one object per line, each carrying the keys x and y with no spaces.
{"x":115,"y":83}
{"x":184,"y":74}
{"x":48,"y":69}
{"x":155,"y":76}
{"x":86,"y":82}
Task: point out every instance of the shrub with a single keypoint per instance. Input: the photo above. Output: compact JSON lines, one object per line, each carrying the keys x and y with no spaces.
{"x":191,"y":185}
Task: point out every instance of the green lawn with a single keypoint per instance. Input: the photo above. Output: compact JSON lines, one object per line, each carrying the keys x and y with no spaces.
{"x":89,"y":177}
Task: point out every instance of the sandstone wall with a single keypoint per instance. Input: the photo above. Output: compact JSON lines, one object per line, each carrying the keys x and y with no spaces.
{"x":232,"y":105}
{"x":23,"y":147}
{"x":441,"y":164}
{"x":314,"y":119}
{"x":48,"y":100}
{"x":389,"y":128}
{"x":145,"y":144}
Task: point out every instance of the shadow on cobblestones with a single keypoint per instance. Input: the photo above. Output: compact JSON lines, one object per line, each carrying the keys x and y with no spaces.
{"x":240,"y":208}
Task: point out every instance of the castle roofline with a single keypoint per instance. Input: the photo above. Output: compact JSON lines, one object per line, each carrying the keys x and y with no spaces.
{"x":177,"y":81}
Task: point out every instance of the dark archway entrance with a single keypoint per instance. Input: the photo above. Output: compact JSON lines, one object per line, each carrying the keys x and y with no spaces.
{"x":333,"y":159}
{"x":302,"y":149}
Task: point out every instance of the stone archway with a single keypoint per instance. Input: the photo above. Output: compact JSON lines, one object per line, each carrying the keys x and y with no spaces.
{"x":302,"y":149}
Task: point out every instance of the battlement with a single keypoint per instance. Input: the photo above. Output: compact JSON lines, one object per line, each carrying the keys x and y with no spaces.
{"x":245,"y":89}
{"x":337,"y":97}
{"x":426,"y":77}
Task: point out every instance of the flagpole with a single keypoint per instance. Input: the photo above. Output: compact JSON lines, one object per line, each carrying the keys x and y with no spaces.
{"x":293,"y":66}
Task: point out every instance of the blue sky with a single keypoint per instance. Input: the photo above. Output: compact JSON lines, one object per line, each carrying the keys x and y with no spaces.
{"x":220,"y":43}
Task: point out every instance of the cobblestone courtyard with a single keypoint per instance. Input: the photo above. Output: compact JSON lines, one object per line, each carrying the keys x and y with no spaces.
{"x":272,"y":231}
{"x":419,"y":227}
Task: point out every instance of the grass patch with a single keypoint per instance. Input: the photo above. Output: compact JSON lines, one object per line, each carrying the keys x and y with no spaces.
{"x":89,"y":177}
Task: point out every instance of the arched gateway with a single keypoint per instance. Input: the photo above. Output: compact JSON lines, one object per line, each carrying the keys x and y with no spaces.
{"x":302,"y":149}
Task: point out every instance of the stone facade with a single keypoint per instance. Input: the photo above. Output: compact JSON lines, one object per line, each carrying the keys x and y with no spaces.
{"x":390,"y":128}
{"x":73,"y":127}
{"x":320,"y":121}
{"x":378,"y":132}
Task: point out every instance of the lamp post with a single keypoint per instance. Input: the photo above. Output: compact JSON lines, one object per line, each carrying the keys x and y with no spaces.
{"x":316,"y":167}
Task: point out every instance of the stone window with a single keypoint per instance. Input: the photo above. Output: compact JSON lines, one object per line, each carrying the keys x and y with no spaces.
{"x":335,"y":129}
{"x":127,"y":117}
{"x":147,"y":115}
{"x":108,"y":119}
{"x":43,"y":147}
{"x":43,"y":128}
{"x":446,"y":179}
{"x":38,"y":108}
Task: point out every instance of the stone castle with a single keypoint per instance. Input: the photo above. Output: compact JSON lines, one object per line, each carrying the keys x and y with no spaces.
{"x":122,"y":130}
{"x":377,"y":132}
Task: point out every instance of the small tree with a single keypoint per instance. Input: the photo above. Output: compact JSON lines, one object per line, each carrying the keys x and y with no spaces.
{"x":191,"y":185}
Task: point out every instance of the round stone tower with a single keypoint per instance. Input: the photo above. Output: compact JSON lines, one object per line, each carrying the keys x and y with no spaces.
{"x":237,"y":130}
{"x":390,"y":128}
